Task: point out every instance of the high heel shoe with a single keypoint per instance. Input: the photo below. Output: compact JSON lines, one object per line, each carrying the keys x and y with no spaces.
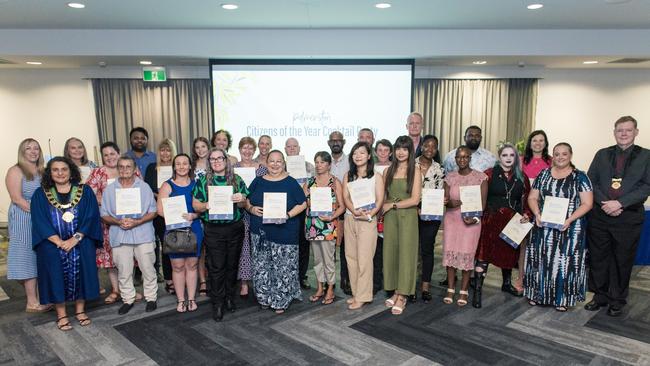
{"x":462,"y":302}
{"x":449,"y":299}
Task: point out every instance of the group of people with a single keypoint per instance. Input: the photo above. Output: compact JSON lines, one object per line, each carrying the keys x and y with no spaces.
{"x":65,"y":223}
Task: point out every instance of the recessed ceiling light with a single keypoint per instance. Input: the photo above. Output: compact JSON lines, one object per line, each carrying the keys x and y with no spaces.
{"x":481,"y":62}
{"x":145,"y":62}
{"x":535,"y":6}
{"x":76,"y":5}
{"x":34,"y":63}
{"x":229,"y":6}
{"x":591,"y":62}
{"x":382,"y":5}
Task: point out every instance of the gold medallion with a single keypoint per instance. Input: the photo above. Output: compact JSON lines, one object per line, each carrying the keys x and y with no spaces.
{"x":616,"y":183}
{"x":68,"y":217}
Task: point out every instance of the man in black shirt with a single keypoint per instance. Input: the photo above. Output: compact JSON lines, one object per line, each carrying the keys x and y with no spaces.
{"x":620,"y":175}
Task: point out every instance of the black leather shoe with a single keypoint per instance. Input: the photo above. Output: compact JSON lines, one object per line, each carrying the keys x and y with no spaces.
{"x":217,"y":313}
{"x":305,"y":285}
{"x":593,"y":306}
{"x":426,"y":296}
{"x":413,"y":298}
{"x":614,"y":310}
{"x":125,"y":308}
{"x":230,"y":305}
{"x":151,"y":306}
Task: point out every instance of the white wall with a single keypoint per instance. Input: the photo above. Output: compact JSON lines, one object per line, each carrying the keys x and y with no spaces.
{"x":42,"y":104}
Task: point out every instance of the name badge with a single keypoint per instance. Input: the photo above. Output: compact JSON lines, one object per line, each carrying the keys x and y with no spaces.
{"x":616,"y":183}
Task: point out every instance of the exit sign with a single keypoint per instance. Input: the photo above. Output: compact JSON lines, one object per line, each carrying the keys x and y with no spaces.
{"x":154,"y":73}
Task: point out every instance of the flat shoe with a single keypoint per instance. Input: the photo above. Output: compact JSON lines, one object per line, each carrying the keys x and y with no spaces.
{"x":112,"y":298}
{"x":315,"y":298}
{"x":65,"y":326}
{"x":328,"y":300}
{"x":83,"y":321}
{"x":350,"y":301}
{"x":355,"y":305}
{"x":38,"y":308}
{"x":389,"y":303}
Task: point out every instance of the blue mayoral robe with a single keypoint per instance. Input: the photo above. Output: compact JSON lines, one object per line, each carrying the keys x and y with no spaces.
{"x":73,"y":275}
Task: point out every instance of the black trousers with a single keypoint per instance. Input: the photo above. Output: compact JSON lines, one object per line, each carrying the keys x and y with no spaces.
{"x":223,"y":244}
{"x":612,"y":245}
{"x":161,"y":258}
{"x":378,"y":266}
{"x":343,"y":270}
{"x":428,"y":231}
{"x":303,"y":249}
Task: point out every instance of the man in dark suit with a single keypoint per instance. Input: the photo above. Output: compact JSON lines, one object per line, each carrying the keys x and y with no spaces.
{"x":620,"y":175}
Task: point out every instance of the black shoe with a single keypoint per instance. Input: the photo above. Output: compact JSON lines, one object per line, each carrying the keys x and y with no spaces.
{"x":413,"y":298}
{"x":593,"y":306}
{"x":125,"y":308}
{"x":345,"y":287}
{"x":509,"y":288}
{"x":614,"y":310}
{"x":305,"y":285}
{"x":426,"y":296}
{"x":477,"y":299}
{"x":230,"y":305}
{"x":217,"y":313}
{"x":151,"y":306}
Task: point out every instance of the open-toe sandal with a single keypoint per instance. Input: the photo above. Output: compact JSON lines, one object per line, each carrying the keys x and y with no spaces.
{"x":83,"y":321}
{"x":181,"y":306}
{"x":449,"y":297}
{"x":170,"y":289}
{"x":65,"y":326}
{"x":112,"y":298}
{"x":389,"y":303}
{"x":203,"y":288}
{"x":462,"y":302}
{"x":561,"y":309}
{"x":328,"y":300}
{"x":399,"y":306}
{"x":191,"y":308}
{"x":315,"y":298}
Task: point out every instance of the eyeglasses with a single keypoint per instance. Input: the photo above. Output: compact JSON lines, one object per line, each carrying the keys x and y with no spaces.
{"x":218,"y":158}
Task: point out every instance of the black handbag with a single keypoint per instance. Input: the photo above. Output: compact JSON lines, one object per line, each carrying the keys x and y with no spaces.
{"x":179,"y":241}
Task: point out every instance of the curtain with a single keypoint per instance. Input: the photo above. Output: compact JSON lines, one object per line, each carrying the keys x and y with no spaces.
{"x":178,"y":109}
{"x":503,"y":108}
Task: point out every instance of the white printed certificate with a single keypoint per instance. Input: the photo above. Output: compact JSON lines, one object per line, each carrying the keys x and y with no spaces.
{"x":362,"y":193}
{"x":127,"y":202}
{"x":381,"y":169}
{"x":471,"y":201}
{"x":247,"y":174}
{"x":320,"y":199}
{"x":515,"y":232}
{"x":554,"y":211}
{"x":173,"y":209}
{"x":297,"y":168}
{"x":220,"y":203}
{"x":433,"y":204}
{"x":85,"y":173}
{"x":164,"y":174}
{"x":275,"y":208}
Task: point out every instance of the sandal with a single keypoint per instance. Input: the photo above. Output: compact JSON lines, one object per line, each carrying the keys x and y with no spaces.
{"x":532,"y":303}
{"x":169,"y":287}
{"x":112,"y":298}
{"x":389,"y":303}
{"x":190,"y":308}
{"x":38,"y":308}
{"x":561,"y":309}
{"x":396,"y":309}
{"x":65,"y":326}
{"x":328,"y":300}
{"x":350,"y":301}
{"x":315,"y":298}
{"x":449,"y":299}
{"x":181,"y":306}
{"x":356,"y":305}
{"x":203,"y":288}
{"x":83,"y":322}
{"x":279,"y":311}
{"x":462,"y":302}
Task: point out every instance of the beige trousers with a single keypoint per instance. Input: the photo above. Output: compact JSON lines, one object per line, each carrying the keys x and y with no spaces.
{"x":360,"y":245}
{"x":324,"y":262}
{"x":123,"y":259}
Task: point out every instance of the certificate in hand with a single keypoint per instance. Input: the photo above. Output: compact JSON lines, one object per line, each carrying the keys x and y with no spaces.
{"x":127,"y":202}
{"x":381,"y":169}
{"x":433,"y":203}
{"x":275,"y":208}
{"x":85,"y":173}
{"x":173,"y":209}
{"x":164,"y":174}
{"x":471,"y":201}
{"x":515,"y":232}
{"x":362,"y":193}
{"x":554,"y":212}
{"x":296,"y":168}
{"x":247,"y":174}
{"x":220,"y":203}
{"x":320,"y":199}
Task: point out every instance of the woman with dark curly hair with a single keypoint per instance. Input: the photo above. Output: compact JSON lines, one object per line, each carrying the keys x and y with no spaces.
{"x":222,"y":139}
{"x":66,"y":232}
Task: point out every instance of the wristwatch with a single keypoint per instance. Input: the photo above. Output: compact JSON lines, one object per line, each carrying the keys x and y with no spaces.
{"x":394,"y":205}
{"x":77,"y":236}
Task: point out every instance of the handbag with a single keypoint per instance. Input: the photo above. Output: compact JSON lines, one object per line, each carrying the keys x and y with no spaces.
{"x":179,"y":241}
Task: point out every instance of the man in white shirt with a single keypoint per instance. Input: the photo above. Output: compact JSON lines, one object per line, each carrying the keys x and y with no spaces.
{"x":482,"y":159}
{"x":414,"y":123}
{"x":292,"y":148}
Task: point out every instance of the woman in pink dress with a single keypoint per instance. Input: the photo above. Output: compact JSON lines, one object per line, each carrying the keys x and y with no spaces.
{"x":460,"y":234}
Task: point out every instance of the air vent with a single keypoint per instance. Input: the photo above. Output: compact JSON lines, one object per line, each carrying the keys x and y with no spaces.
{"x":629,"y":61}
{"x":6,"y":62}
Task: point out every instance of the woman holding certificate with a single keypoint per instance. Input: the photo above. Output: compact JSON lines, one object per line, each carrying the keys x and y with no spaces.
{"x":324,"y":194}
{"x":403,"y":188}
{"x":363,"y":194}
{"x":274,"y":202}
{"x":219,"y":196}
{"x":66,"y":232}
{"x":222,"y":139}
{"x":75,"y":150}
{"x":184,"y":266}
{"x":555,"y":259}
{"x":248,"y":169}
{"x":508,"y":189}
{"x":465,"y":196}
{"x":200,"y":151}
{"x":384,"y":154}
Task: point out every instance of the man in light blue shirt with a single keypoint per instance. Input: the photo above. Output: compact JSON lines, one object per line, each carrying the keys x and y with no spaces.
{"x":132,"y":236}
{"x":139,"y":138}
{"x":482,"y":159}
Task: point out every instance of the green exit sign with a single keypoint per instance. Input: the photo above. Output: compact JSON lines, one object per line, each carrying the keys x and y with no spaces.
{"x":154,"y":73}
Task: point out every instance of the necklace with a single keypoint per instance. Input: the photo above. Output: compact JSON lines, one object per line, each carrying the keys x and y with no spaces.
{"x":75,"y":197}
{"x":508,"y":190}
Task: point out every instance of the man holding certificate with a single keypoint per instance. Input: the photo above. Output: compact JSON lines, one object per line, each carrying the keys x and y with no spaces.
{"x":128,"y":206}
{"x":555,"y":272}
{"x":621,"y":178}
{"x":219,"y":197}
{"x":275,"y":229}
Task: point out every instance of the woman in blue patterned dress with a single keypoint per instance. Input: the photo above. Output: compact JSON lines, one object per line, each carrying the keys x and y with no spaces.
{"x":22,"y":180}
{"x":555,"y":259}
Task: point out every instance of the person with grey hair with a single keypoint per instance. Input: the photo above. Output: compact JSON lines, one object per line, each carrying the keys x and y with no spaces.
{"x":414,"y":124}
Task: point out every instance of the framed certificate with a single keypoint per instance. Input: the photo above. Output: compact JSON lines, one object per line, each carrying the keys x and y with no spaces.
{"x":362,"y":193}
{"x":173,"y":209}
{"x":471,"y":201}
{"x":247,"y":174}
{"x":220,"y":203}
{"x":164,"y":174}
{"x":275,"y":208}
{"x":297,"y":168}
{"x":127,"y":202}
{"x":85,"y":173}
{"x":554,"y":212}
{"x":320,"y":199}
{"x":433,"y":204}
{"x":515,"y":232}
